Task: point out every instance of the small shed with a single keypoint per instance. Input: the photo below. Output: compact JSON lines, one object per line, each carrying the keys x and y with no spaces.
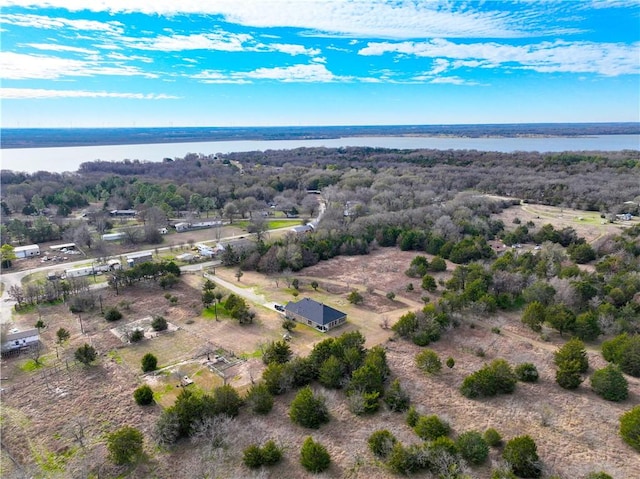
{"x":315,"y":314}
{"x":27,"y":251}
{"x":20,"y":339}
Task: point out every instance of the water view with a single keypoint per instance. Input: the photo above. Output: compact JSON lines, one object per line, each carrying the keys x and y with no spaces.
{"x":70,"y":158}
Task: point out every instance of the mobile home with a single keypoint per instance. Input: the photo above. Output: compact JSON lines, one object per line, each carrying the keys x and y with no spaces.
{"x":28,"y":251}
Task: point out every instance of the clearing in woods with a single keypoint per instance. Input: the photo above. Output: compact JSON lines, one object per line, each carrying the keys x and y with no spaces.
{"x":57,"y":421}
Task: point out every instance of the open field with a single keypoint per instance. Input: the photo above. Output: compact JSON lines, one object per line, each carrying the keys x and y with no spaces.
{"x":55,"y":418}
{"x":588,"y":224}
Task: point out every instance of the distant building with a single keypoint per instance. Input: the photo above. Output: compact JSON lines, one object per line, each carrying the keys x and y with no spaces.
{"x":315,"y":314}
{"x":138,"y":258}
{"x":28,"y":251}
{"x":20,"y":339}
{"x":308,"y":228}
{"x":123,"y":213}
{"x":200,"y":225}
{"x":188,"y":257}
{"x":113,"y":236}
{"x":61,"y":247}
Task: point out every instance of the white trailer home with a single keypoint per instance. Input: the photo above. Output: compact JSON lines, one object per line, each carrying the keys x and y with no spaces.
{"x":137,"y":258}
{"x":20,"y":339}
{"x":111,"y":265}
{"x":28,"y":251}
{"x":113,"y":236}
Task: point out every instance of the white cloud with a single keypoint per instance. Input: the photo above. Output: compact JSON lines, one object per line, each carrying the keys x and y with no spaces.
{"x":60,"y":48}
{"x":293,"y":49}
{"x":34,"y":93}
{"x":353,"y":18}
{"x":608,"y":59}
{"x":40,"y":21}
{"x":18,"y":66}
{"x":295,"y":73}
{"x":452,"y":81}
{"x":227,"y":42}
{"x":121,"y":57}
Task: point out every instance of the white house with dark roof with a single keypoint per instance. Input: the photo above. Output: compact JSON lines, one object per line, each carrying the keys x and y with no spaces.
{"x":315,"y":314}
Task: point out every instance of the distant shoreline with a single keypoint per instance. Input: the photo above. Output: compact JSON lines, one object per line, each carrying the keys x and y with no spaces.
{"x":11,"y":138}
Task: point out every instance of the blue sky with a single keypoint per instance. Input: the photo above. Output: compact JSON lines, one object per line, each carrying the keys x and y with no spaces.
{"x":105,"y":63}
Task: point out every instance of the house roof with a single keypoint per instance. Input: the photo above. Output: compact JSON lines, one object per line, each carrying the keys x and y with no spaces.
{"x":28,"y":247}
{"x":21,"y":334}
{"x":312,"y":310}
{"x":302,"y":228}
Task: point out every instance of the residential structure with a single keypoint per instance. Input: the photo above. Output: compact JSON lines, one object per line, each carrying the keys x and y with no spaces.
{"x":20,"y":339}
{"x":137,"y":258}
{"x":28,"y":251}
{"x":312,"y":313}
{"x":308,"y":228}
{"x":123,"y":213}
{"x":188,"y":226}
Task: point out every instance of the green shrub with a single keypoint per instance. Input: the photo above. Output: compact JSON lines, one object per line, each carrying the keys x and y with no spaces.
{"x":610,"y":384}
{"x":492,"y":437}
{"x":472,"y":447}
{"x":136,"y":335}
{"x":125,"y":445}
{"x":149,"y":362}
{"x":630,"y":427}
{"x":397,"y":398}
{"x":259,"y":399}
{"x":428,"y":361}
{"x":492,"y":379}
{"x":314,"y":457}
{"x":503,"y":473}
{"x":267,"y":455}
{"x":412,"y":417}
{"x":573,"y":350}
{"x":277,"y":352}
{"x":159,"y":323}
{"x":381,"y":443}
{"x":361,"y":402}
{"x":598,"y":475}
{"x":624,"y":350}
{"x":568,"y":375}
{"x":252,"y":456}
{"x":112,"y":314}
{"x":226,"y":400}
{"x":402,"y":460}
{"x":527,"y":372}
{"x":308,"y":410}
{"x":271,"y":453}
{"x":143,"y":395}
{"x":521,"y":453}
{"x":450,"y":362}
{"x":86,"y":354}
{"x":431,"y":427}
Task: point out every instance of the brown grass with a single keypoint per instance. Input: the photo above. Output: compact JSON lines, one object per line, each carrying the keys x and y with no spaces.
{"x":576,"y":432}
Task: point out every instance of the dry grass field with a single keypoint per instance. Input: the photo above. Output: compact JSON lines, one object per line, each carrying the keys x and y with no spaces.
{"x":55,"y":419}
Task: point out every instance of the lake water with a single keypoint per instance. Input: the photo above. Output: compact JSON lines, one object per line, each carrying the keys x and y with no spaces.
{"x":70,"y":158}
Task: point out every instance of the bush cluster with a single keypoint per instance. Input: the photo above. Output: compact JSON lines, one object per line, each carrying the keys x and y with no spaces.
{"x":571,"y":361}
{"x":255,"y":456}
{"x":624,"y":350}
{"x":495,"y":378}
